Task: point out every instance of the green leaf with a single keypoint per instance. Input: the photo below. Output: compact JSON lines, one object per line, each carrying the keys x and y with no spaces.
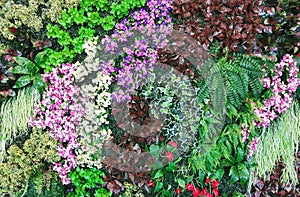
{"x":171,"y":167}
{"x":234,"y":174}
{"x":20,"y":70}
{"x":24,"y":62}
{"x":239,"y":155}
{"x":243,"y":174}
{"x":181,"y":183}
{"x":158,"y":186}
{"x":23,"y":81}
{"x":166,"y":193}
{"x":154,"y":150}
{"x":158,"y":174}
{"x":39,"y":83}
{"x":40,"y":57}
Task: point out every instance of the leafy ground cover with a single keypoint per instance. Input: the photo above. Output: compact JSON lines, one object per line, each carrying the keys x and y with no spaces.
{"x":149,"y":98}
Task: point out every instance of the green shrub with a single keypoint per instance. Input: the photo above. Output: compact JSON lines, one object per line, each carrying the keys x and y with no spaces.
{"x":87,"y":179}
{"x":31,"y":15}
{"x":33,"y":160}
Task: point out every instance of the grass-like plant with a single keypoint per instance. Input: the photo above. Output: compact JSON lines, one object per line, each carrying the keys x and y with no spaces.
{"x":15,"y":114}
{"x":279,"y":142}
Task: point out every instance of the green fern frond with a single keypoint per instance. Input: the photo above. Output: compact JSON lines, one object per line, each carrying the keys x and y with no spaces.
{"x":241,"y":76}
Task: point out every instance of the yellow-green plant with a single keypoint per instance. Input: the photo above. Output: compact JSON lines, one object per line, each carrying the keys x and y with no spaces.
{"x":15,"y":114}
{"x":38,"y":151}
{"x":279,"y":142}
{"x":32,"y":15}
{"x":131,"y":191}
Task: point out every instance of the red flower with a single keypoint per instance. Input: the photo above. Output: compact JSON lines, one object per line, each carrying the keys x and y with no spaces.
{"x":151,"y":183}
{"x":298,"y":55}
{"x":215,"y":183}
{"x":207,"y":180}
{"x":189,"y":186}
{"x":12,"y":30}
{"x":209,"y":195}
{"x":196,"y":192}
{"x":203,"y":192}
{"x":174,"y":144}
{"x":178,"y":191}
{"x":216,"y":192}
{"x":169,"y":156}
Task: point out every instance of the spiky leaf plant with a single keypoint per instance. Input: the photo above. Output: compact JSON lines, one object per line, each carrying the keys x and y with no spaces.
{"x":15,"y":114}
{"x":279,"y":142}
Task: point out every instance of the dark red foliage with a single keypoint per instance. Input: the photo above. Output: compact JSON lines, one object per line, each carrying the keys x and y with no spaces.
{"x":231,"y":23}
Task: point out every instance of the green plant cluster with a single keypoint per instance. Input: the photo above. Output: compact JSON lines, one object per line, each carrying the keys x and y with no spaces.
{"x":86,"y":180}
{"x":169,"y":177}
{"x":228,"y":157}
{"x":32,"y":15}
{"x":89,"y":15}
{"x":38,"y":152}
{"x":131,"y":191}
{"x":44,"y":184}
{"x":180,"y":122}
{"x":30,"y":71}
{"x":242,"y":76}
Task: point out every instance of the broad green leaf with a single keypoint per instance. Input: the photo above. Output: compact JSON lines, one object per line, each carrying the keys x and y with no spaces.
{"x":24,"y":62}
{"x":239,"y":154}
{"x":23,"y":81}
{"x":154,"y":150}
{"x":243,"y":174}
{"x":158,"y":186}
{"x":40,"y":57}
{"x":181,"y":183}
{"x":166,"y":193}
{"x":234,"y":174}
{"x":20,"y":70}
{"x":171,"y":167}
{"x":158,"y":174}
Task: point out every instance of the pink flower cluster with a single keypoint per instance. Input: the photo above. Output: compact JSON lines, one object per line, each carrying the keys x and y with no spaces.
{"x":59,"y":113}
{"x":252,"y":147}
{"x":284,"y":83}
{"x":245,"y":133}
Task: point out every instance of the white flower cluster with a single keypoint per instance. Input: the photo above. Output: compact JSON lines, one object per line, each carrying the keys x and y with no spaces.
{"x":93,"y":130}
{"x":90,"y":63}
